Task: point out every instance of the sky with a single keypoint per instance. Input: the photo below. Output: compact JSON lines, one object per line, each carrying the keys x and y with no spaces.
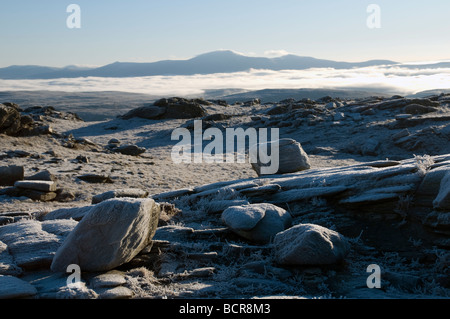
{"x":36,"y":32}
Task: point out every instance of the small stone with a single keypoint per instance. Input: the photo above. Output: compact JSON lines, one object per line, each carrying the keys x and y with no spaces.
{"x":114,"y":293}
{"x":370,"y":147}
{"x":114,"y":142}
{"x":132,"y":150}
{"x":95,"y":178}
{"x":401,"y":134}
{"x":82,"y":159}
{"x":400,"y":117}
{"x":110,"y":279}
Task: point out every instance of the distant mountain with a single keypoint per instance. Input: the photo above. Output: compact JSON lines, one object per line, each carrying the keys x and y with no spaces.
{"x":38,"y":72}
{"x":208,"y":63}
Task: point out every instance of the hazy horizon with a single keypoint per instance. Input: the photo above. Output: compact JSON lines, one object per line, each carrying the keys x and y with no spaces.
{"x":279,"y":53}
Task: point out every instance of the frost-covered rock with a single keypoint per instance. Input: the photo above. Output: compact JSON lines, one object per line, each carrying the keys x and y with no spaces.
{"x":76,"y":213}
{"x":42,"y":176}
{"x":119,"y":292}
{"x":419,"y":109}
{"x":292,"y":158}
{"x":110,"y":279}
{"x":77,"y":290}
{"x":257,"y":222}
{"x":172,"y":108}
{"x":43,"y":186}
{"x":131,"y":149}
{"x":430,"y":185}
{"x":370,"y":147}
{"x":438,"y":221}
{"x":32,"y":243}
{"x":309,"y":244}
{"x":442,"y":200}
{"x":111,"y":234}
{"x":7,"y":264}
{"x":9,"y":120}
{"x":119,"y":193}
{"x":13,"y":287}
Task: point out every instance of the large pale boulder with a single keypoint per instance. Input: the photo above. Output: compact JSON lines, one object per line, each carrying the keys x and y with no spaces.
{"x":291,"y":156}
{"x":109,"y":235}
{"x":257,"y":222}
{"x":309,"y":244}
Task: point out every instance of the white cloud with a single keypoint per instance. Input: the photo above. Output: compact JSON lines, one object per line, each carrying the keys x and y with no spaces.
{"x":275,"y":53}
{"x":399,"y":79}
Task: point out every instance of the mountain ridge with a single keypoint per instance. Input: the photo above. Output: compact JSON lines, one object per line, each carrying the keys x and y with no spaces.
{"x":223,"y":61}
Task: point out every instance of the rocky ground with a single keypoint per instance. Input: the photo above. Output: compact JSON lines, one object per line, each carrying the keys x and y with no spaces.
{"x":377,"y":190}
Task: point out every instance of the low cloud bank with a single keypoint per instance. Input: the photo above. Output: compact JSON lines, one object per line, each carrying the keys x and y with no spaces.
{"x":398,"y":78}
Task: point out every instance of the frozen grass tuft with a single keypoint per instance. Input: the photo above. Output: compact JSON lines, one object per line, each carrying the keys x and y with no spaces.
{"x":423,"y":163}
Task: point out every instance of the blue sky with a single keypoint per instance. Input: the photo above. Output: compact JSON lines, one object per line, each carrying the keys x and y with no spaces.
{"x":35,"y":32}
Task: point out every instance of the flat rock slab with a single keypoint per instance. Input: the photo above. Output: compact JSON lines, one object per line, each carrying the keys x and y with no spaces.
{"x":13,"y":287}
{"x":119,"y":292}
{"x":38,"y":195}
{"x":76,"y":213}
{"x":32,"y":243}
{"x":43,"y":186}
{"x":120,"y":193}
{"x":7,"y":264}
